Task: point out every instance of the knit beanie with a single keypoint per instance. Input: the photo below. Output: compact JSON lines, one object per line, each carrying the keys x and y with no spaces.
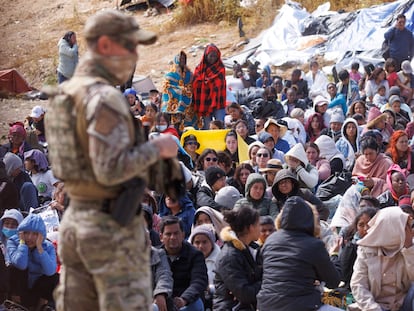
{"x":213,"y":174}
{"x":12,"y":162}
{"x":227,"y":196}
{"x":207,"y":230}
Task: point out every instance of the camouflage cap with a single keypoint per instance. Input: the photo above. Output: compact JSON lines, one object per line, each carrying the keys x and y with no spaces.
{"x":114,"y":23}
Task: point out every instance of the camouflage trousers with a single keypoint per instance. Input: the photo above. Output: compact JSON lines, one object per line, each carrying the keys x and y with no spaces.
{"x":104,"y":266}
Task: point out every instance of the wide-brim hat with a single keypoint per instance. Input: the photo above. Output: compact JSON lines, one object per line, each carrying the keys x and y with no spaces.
{"x":374,"y":116}
{"x":281,"y":124}
{"x":273,"y":165}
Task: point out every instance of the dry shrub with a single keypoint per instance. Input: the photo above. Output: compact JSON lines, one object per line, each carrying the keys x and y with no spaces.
{"x":201,"y":11}
{"x":260,"y":16}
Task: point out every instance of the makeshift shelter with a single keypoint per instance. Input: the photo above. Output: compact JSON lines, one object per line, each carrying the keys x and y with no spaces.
{"x":11,"y":82}
{"x":296,"y":35}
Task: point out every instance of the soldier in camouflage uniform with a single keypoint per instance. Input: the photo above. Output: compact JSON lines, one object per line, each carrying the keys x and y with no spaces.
{"x":105,"y":264}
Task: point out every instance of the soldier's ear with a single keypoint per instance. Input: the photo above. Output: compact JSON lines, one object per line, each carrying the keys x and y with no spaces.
{"x":104,"y":45}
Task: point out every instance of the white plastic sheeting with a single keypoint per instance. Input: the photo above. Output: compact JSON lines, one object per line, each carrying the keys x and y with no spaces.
{"x":347,"y":37}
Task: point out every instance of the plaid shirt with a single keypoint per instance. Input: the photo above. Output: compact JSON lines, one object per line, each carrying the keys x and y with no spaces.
{"x":209,"y":85}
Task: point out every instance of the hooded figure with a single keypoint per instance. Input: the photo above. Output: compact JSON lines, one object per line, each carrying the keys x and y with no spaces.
{"x":255,"y":195}
{"x":9,"y":196}
{"x":27,"y":190}
{"x":397,"y":186}
{"x":186,"y":212}
{"x":293,"y":259}
{"x":216,"y":219}
{"x":7,"y":232}
{"x":178,"y":92}
{"x":328,"y":151}
{"x":266,"y":77}
{"x":384,"y":268}
{"x":33,"y":263}
{"x":282,"y":191}
{"x":348,"y":145}
{"x":25,"y":256}
{"x":306,"y":173}
{"x":209,"y":85}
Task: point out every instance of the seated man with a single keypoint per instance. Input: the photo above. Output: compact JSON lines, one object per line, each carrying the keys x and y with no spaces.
{"x":187,"y":265}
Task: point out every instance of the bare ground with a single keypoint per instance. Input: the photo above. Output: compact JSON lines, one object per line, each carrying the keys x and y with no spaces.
{"x":30,"y":30}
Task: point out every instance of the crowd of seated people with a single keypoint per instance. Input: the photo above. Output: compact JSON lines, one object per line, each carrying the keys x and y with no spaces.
{"x":250,"y":226}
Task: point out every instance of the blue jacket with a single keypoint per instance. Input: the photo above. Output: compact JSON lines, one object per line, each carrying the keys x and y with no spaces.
{"x":401,"y":43}
{"x":24,"y":258}
{"x":259,"y":82}
{"x":186,"y":214}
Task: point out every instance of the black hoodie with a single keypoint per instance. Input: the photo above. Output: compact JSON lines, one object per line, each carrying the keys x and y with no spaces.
{"x":305,"y":193}
{"x":293,"y":259}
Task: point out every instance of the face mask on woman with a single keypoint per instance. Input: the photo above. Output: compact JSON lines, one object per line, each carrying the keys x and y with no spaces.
{"x":161,"y":128}
{"x":9,"y":232}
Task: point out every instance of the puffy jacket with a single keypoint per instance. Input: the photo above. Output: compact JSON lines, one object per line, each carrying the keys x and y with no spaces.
{"x":238,"y":275}
{"x":24,"y":258}
{"x":186,"y":214}
{"x":189,"y":273}
{"x":205,"y":197}
{"x":293,"y":259}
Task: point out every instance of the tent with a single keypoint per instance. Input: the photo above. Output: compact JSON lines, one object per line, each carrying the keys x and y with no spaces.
{"x":11,"y":82}
{"x":296,"y":35}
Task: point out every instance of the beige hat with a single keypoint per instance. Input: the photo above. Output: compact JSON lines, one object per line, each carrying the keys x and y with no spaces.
{"x":281,"y":124}
{"x":273,"y":165}
{"x":114,"y":23}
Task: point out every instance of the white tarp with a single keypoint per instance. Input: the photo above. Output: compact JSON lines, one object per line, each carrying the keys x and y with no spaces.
{"x":345,"y":36}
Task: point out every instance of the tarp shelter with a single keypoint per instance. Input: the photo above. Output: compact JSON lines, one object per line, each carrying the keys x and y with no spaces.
{"x":297,"y":35}
{"x":127,"y":3}
{"x":12,"y":82}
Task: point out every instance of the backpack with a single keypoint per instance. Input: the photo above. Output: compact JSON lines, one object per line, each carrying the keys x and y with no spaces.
{"x":385,"y":49}
{"x":62,"y":123}
{"x":335,"y":184}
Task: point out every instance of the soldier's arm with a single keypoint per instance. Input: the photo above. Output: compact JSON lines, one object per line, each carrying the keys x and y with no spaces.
{"x":113,"y":156}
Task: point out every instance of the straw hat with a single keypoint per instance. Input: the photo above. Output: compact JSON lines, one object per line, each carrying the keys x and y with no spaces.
{"x":273,"y":165}
{"x":281,"y":124}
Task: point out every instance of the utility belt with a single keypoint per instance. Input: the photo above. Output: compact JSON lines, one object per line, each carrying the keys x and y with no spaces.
{"x":124,"y":207}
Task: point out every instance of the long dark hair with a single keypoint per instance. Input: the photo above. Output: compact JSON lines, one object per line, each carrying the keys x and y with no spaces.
{"x":68,"y":36}
{"x":241,"y":219}
{"x":352,"y":228}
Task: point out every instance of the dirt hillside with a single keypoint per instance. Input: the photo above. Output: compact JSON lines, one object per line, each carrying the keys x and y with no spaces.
{"x":30,"y":31}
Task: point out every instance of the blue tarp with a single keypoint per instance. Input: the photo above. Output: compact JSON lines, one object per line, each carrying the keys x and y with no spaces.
{"x":341,"y":37}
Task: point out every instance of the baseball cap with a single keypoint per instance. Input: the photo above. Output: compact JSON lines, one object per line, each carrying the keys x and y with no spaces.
{"x":114,"y":23}
{"x":406,"y":67}
{"x":37,"y":111}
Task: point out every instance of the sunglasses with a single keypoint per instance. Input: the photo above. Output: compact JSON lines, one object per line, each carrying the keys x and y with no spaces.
{"x":264,"y":155}
{"x":211,"y":159}
{"x":191,"y":143}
